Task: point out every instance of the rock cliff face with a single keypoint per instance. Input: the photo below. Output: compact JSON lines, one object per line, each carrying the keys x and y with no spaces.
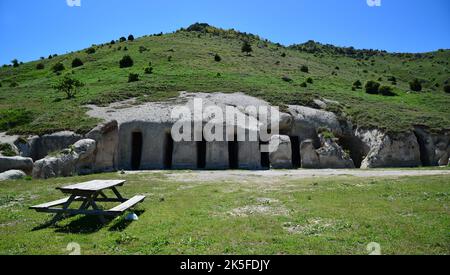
{"x":389,"y":150}
{"x":139,"y":137}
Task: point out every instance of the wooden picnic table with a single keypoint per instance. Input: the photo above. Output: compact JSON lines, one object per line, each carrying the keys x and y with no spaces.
{"x":89,"y":193}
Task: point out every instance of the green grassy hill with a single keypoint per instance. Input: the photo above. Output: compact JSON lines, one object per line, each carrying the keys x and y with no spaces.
{"x":185,"y":60}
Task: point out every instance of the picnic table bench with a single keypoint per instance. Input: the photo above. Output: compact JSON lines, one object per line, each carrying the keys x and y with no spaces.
{"x":89,"y":193}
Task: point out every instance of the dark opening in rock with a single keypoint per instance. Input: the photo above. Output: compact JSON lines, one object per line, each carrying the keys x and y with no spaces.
{"x":233,"y":154}
{"x":136,"y":151}
{"x":201,"y":154}
{"x":265,"y":157}
{"x":168,"y":151}
{"x":296,"y":159}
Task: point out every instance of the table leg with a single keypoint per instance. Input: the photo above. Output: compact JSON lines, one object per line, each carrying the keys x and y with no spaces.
{"x":119,"y":196}
{"x":65,"y":207}
{"x":95,"y":207}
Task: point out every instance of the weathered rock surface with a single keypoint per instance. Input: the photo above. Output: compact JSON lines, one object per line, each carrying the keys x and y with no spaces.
{"x":389,"y":150}
{"x":329,"y":156}
{"x":16,"y":163}
{"x":107,"y":137}
{"x":434,"y":147}
{"x":309,"y":156}
{"x":76,"y":160}
{"x":12,"y":175}
{"x":42,"y":146}
{"x":281,"y":157}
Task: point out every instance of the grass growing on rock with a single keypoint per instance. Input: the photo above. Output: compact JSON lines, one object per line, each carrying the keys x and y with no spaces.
{"x":186,"y":60}
{"x":336,"y":215}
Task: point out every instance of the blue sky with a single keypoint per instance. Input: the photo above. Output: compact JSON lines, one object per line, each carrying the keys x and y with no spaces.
{"x":33,"y":28}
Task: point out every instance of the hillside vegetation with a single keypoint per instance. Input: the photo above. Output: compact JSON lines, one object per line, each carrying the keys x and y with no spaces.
{"x":207,"y":59}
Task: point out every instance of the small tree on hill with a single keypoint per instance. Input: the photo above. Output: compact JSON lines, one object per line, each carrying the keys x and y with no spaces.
{"x":217,"y":58}
{"x":247,"y":48}
{"x":77,"y":63}
{"x":126,"y":62}
{"x":15,"y":63}
{"x":372,"y":87}
{"x":58,"y":67}
{"x":69,"y":86}
{"x":447,"y":89}
{"x":130,"y":37}
{"x":415,"y":85}
{"x":122,"y":39}
{"x":357,"y":84}
{"x":304,"y":69}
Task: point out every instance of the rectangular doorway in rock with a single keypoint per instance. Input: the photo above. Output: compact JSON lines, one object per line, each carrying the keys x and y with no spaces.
{"x":136,"y":150}
{"x":168,"y":151}
{"x":265,"y":157}
{"x":296,"y":159}
{"x":201,"y":154}
{"x":233,"y":154}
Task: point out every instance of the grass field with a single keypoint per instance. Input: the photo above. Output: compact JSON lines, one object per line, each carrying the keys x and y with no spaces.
{"x":185,"y":61}
{"x":335,"y":215}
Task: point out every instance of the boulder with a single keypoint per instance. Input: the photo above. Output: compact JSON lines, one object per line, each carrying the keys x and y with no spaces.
{"x":78,"y":159}
{"x":12,"y":175}
{"x":42,"y":146}
{"x":389,"y":150}
{"x":434,"y":147}
{"x":329,"y":156}
{"x":309,"y":156}
{"x":281,"y":152}
{"x":107,"y":137}
{"x":16,"y":163}
{"x":332,"y":156}
{"x":316,"y":119}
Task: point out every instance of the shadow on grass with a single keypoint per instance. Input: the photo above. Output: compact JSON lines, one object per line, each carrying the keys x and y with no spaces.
{"x":122,"y":224}
{"x":89,"y":224}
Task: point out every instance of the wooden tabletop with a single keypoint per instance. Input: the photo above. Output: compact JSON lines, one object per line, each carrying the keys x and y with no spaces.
{"x":92,"y":186}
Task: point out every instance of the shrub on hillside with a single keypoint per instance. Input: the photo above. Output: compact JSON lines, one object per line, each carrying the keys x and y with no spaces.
{"x":40,"y":66}
{"x":372,"y":87}
{"x":309,"y":80}
{"x":304,"y":69}
{"x":130,"y":37}
{"x":217,"y":58}
{"x":122,"y":39}
{"x":15,"y":63}
{"x":77,"y":63}
{"x":283,"y":55}
{"x":447,"y":89}
{"x":112,"y":42}
{"x":58,"y":67}
{"x":415,"y":85}
{"x":357,"y":84}
{"x":304,"y":85}
{"x":133,"y":77}
{"x":247,"y":47}
{"x":148,"y":70}
{"x":90,"y":50}
{"x":286,"y":79}
{"x":386,"y":91}
{"x":126,"y":62}
{"x":69,"y":86}
{"x":142,"y":49}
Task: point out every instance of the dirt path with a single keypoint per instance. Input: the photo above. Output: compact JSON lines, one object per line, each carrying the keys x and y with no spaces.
{"x":202,"y":176}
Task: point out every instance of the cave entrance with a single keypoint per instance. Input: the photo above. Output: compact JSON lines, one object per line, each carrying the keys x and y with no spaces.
{"x":168,"y":151}
{"x":136,"y":150}
{"x":233,"y":153}
{"x":265,"y":157}
{"x":423,"y":151}
{"x":201,"y":154}
{"x":296,"y":159}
